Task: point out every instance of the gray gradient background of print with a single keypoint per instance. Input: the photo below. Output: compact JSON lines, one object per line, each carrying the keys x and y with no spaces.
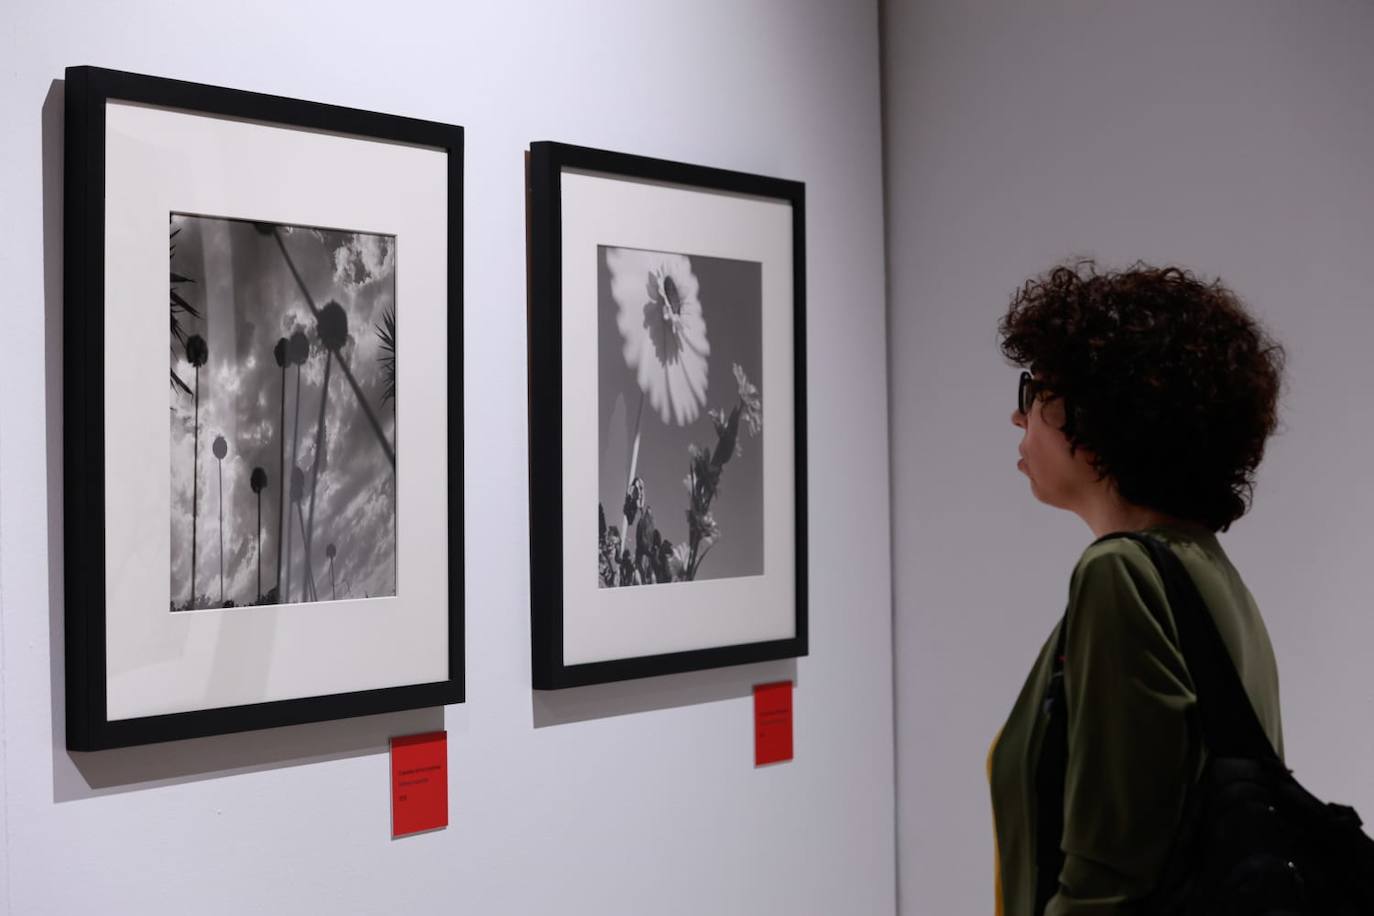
{"x":731,"y":294}
{"x":248,"y":299}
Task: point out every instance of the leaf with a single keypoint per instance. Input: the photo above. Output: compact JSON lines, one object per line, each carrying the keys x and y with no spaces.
{"x":725,"y":448}
{"x":386,"y":333}
{"x":750,"y":400}
{"x":645,"y":532}
{"x":178,"y":306}
{"x":635,"y":500}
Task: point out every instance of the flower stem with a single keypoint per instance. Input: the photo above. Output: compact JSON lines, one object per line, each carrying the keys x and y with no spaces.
{"x":634,"y":466}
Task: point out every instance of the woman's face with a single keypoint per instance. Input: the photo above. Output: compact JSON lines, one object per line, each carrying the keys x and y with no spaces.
{"x":1058,"y":475}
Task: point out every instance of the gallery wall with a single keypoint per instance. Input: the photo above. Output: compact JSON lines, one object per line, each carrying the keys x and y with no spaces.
{"x":630,"y":798}
{"x":1232,"y":137}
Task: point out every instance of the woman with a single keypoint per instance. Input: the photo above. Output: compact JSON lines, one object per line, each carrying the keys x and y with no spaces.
{"x":1146,"y":408}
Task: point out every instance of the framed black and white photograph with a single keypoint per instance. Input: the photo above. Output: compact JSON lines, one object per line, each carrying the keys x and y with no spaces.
{"x":667,"y":417}
{"x":262,"y":497}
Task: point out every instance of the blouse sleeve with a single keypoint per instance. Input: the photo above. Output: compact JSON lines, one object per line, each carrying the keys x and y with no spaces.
{"x":1129,"y":755}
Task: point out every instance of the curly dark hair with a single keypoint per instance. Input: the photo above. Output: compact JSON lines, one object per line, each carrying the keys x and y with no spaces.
{"x":1166,"y":380}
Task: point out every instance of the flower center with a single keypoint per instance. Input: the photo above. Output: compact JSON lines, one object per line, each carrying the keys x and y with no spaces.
{"x":671,"y":296}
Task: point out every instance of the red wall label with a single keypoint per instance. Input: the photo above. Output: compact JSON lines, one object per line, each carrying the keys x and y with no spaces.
{"x":419,"y":783}
{"x":772,"y":723}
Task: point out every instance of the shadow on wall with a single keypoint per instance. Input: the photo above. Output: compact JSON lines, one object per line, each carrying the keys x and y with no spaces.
{"x":693,"y":688}
{"x":85,"y":775}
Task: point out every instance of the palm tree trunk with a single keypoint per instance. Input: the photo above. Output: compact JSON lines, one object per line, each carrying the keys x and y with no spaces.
{"x":348,"y":374}
{"x":195,"y":487}
{"x":319,"y":452}
{"x":333,"y":592}
{"x":295,"y":453}
{"x":259,"y":598}
{"x":281,"y":487}
{"x":221,"y":533}
{"x":308,"y":592}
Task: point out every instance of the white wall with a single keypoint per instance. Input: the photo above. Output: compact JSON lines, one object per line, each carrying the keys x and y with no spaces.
{"x":1234,"y":137}
{"x":628,"y":799}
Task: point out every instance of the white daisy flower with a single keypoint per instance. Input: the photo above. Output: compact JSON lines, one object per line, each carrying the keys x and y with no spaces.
{"x":664,"y":332}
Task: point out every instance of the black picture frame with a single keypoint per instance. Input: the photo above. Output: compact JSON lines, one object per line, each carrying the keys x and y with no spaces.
{"x":88,"y":93}
{"x":548,"y":162}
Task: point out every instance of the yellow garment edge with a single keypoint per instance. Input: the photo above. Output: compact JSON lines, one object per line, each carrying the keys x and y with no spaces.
{"x":996,"y":854}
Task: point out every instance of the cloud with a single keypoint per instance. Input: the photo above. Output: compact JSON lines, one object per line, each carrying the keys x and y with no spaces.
{"x":361,"y":259}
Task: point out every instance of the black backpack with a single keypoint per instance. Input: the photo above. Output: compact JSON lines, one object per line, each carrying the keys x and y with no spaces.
{"x":1252,"y":842}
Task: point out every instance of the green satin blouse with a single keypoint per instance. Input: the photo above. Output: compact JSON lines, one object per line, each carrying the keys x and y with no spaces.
{"x":1132,"y":753}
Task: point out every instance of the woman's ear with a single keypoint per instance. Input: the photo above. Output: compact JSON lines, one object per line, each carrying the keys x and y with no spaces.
{"x":1052,"y":411}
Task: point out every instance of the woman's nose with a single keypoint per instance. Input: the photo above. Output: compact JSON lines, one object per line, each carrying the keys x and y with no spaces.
{"x":1018,"y":419}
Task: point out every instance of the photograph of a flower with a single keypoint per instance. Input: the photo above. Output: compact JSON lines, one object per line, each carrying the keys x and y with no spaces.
{"x":283,"y":419}
{"x":679,"y":353}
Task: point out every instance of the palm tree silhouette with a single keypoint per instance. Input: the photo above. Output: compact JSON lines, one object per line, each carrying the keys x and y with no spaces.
{"x":221,"y":448}
{"x":297,"y":351}
{"x":282,"y":355}
{"x":179,"y":307}
{"x":258,"y":481}
{"x":333,"y":332}
{"x":386,"y":334}
{"x":197,"y":354}
{"x":343,"y":366}
{"x":330,"y":552}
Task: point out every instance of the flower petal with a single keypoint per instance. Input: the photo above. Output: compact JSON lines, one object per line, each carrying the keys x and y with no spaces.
{"x":693,"y":335}
{"x":663,"y":329}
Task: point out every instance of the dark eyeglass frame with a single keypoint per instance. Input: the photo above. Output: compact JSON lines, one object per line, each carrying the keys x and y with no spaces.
{"x":1026,"y":393}
{"x":1029,"y":390}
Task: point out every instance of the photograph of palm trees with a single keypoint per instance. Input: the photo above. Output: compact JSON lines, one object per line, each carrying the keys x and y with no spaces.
{"x":283,"y":419}
{"x":679,"y":345}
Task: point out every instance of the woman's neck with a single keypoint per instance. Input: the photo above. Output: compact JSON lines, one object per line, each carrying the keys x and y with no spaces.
{"x":1108,"y":513}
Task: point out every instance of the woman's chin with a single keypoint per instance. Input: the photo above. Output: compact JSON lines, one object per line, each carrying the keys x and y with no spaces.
{"x":1048,"y":498}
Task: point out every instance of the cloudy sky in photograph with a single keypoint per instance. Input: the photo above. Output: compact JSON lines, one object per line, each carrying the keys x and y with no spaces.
{"x":247,"y":299}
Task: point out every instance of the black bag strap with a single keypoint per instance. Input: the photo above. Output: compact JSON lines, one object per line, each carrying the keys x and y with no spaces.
{"x":1230,"y":727}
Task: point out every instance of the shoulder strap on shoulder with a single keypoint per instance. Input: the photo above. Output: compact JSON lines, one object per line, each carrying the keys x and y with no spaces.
{"x":1230,"y":726}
